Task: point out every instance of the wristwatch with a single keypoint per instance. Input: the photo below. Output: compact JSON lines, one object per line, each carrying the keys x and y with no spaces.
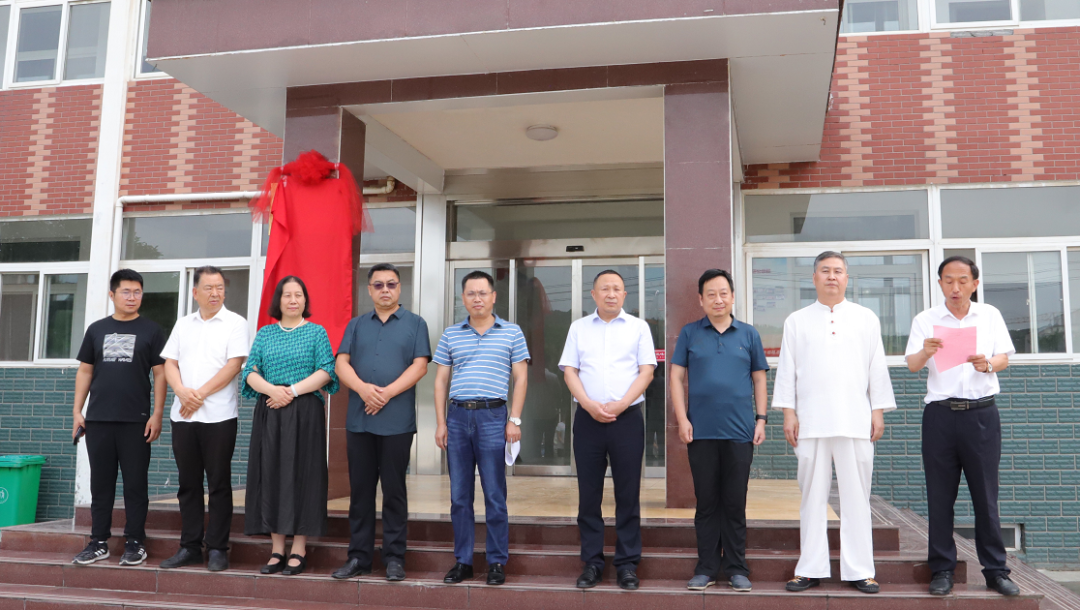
{"x":515,"y":420}
{"x":764,"y":418}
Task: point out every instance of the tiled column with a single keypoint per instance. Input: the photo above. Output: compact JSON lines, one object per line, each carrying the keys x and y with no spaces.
{"x":339,"y":136}
{"x":697,"y":226}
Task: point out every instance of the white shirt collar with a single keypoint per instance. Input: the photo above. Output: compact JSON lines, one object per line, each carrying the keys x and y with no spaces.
{"x":839,"y":305}
{"x":595,"y":315}
{"x":220,"y":315}
{"x":942,"y":311}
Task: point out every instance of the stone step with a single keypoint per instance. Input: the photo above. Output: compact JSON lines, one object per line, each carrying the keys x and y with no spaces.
{"x":49,"y":578}
{"x":324,"y":554}
{"x":678,"y":533}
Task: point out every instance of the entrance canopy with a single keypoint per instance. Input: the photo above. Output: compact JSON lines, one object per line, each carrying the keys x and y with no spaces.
{"x":246,"y":54}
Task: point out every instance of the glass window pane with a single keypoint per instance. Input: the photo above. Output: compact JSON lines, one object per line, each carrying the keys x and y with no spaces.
{"x":88,"y":35}
{"x":205,"y":236}
{"x":1027,"y":286}
{"x":836,"y":217}
{"x":405,"y":271}
{"x":969,"y":11}
{"x":144,"y":66}
{"x":1045,"y":10}
{"x":161,"y":298}
{"x":38,"y":43}
{"x":655,"y":401}
{"x":780,"y":286}
{"x":395,"y":231}
{"x":45,"y":241}
{"x":5,"y":16}
{"x":979,"y":213}
{"x":879,"y":16}
{"x":1074,"y":296}
{"x":892,"y":287}
{"x":559,"y":220}
{"x":18,"y":315}
{"x":65,"y":310}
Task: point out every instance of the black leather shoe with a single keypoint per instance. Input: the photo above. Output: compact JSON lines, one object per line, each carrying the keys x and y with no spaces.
{"x":801,"y":583}
{"x":218,"y":562}
{"x":293,"y":570}
{"x":273,"y":568}
{"x":866,"y":585}
{"x":628,"y":579}
{"x":351,"y":569}
{"x":395,"y":570}
{"x":590,"y":577}
{"x":183,"y":557}
{"x":1003,"y":585}
{"x":941,"y":583}
{"x":458,"y":573}
{"x":496,"y":574}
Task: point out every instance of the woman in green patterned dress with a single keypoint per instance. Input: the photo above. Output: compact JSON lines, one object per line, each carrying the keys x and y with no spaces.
{"x":290,"y":362}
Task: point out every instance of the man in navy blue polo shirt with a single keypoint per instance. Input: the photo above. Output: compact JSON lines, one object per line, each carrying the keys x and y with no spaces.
{"x":482,"y":352}
{"x":383,"y":354}
{"x":728,"y":399}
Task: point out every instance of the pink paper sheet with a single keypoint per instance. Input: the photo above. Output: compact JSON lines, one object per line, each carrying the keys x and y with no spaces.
{"x":959,"y":344}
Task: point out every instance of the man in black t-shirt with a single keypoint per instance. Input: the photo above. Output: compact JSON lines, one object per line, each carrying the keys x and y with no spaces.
{"x":117,"y":355}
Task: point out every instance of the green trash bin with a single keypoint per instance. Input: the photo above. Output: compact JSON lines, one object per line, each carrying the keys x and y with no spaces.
{"x":20,"y":477}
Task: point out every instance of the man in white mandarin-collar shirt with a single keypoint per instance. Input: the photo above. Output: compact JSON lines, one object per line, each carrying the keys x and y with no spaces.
{"x":961,"y":427}
{"x":608,"y":362}
{"x":833,"y":386}
{"x":203,"y":356}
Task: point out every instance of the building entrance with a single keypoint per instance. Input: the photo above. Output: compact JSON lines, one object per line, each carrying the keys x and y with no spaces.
{"x":544,"y":295}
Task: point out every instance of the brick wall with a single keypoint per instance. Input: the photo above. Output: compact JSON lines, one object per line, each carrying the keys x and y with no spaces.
{"x":945,"y":108}
{"x":48,"y":148}
{"x":1040,"y":421}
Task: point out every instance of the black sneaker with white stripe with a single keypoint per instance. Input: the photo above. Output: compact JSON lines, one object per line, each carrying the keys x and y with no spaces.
{"x":134,"y":553}
{"x":95,"y":551}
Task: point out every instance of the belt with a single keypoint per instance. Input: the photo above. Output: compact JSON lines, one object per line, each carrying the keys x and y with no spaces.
{"x":961,"y":404}
{"x":473,"y":405}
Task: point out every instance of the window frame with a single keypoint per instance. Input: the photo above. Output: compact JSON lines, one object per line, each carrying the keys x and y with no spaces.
{"x":927,"y":22}
{"x":60,"y":76}
{"x":140,"y":36}
{"x":43,"y":271}
{"x":920,"y":19}
{"x":1014,"y":21}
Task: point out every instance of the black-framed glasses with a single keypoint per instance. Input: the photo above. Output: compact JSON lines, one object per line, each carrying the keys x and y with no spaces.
{"x":381,"y":285}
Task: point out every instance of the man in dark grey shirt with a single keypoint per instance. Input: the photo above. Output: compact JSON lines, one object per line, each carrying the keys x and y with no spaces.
{"x":383,"y":354}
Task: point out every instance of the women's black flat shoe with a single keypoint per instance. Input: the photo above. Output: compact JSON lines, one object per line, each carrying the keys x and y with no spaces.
{"x":274,"y":568}
{"x":294,"y":570}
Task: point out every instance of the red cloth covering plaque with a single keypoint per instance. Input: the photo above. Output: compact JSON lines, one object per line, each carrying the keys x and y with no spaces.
{"x":315,"y":208}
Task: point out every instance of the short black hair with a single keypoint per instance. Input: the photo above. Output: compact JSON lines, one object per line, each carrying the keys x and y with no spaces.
{"x":275,"y":302}
{"x":608,"y":272}
{"x":129,"y":275}
{"x":207,"y":270}
{"x":827,"y":255}
{"x":478,"y":275}
{"x":959,"y":259}
{"x":383,"y":267}
{"x":712,"y":274}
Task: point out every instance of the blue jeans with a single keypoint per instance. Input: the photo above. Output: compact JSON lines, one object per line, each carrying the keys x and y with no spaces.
{"x":477,"y":440}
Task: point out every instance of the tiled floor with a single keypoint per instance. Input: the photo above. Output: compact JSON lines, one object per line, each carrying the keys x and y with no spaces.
{"x":557,"y":497}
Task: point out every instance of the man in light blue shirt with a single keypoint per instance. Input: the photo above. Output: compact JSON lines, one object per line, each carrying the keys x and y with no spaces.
{"x":476,"y":359}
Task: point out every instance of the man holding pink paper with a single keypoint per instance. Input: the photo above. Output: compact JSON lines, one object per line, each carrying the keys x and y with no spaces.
{"x":964,"y":344}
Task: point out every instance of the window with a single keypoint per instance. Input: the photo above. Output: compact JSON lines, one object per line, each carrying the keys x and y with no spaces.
{"x":972,"y":11}
{"x":892,"y":287}
{"x":829,"y":217}
{"x":43,"y":275}
{"x":144,"y":37}
{"x":395,"y":230}
{"x":5,"y":19}
{"x":1049,"y":10}
{"x":1074,"y":296}
{"x":1027,"y":288}
{"x":862,"y":16}
{"x":981,"y":213}
{"x":78,"y":33}
{"x":188,"y":236}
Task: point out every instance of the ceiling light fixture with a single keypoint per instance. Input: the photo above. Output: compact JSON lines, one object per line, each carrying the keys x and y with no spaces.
{"x":541,"y":133}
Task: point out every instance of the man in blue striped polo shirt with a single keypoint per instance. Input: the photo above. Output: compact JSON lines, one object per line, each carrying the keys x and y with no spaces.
{"x":482,"y":353}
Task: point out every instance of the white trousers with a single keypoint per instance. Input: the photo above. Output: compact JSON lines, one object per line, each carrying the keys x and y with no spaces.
{"x":854,"y":459}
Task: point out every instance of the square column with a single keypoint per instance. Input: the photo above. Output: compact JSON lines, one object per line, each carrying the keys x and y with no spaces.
{"x":339,"y":136}
{"x":697,"y":227}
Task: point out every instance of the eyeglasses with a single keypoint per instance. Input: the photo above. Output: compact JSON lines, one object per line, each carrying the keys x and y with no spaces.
{"x":381,"y":285}
{"x":127,"y":294}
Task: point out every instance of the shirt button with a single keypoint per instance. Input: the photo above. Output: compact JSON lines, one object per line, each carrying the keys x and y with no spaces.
{"x":834,"y":332}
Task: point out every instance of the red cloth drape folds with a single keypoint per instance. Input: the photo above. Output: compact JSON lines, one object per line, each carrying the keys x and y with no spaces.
{"x":313,"y":217}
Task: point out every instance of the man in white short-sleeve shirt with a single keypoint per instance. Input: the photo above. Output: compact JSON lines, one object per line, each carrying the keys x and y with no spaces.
{"x":833,"y":385}
{"x":203,"y":356}
{"x":608,"y":362}
{"x":961,"y":427}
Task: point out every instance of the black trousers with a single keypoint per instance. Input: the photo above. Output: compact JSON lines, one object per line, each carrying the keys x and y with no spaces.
{"x":374,"y":459}
{"x":969,"y":442}
{"x":204,"y":448}
{"x":623,"y":443}
{"x":721,"y":470}
{"x":112,"y":447}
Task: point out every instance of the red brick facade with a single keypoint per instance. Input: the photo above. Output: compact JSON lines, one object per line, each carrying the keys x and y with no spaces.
{"x":934,"y":108}
{"x":48,"y":148}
